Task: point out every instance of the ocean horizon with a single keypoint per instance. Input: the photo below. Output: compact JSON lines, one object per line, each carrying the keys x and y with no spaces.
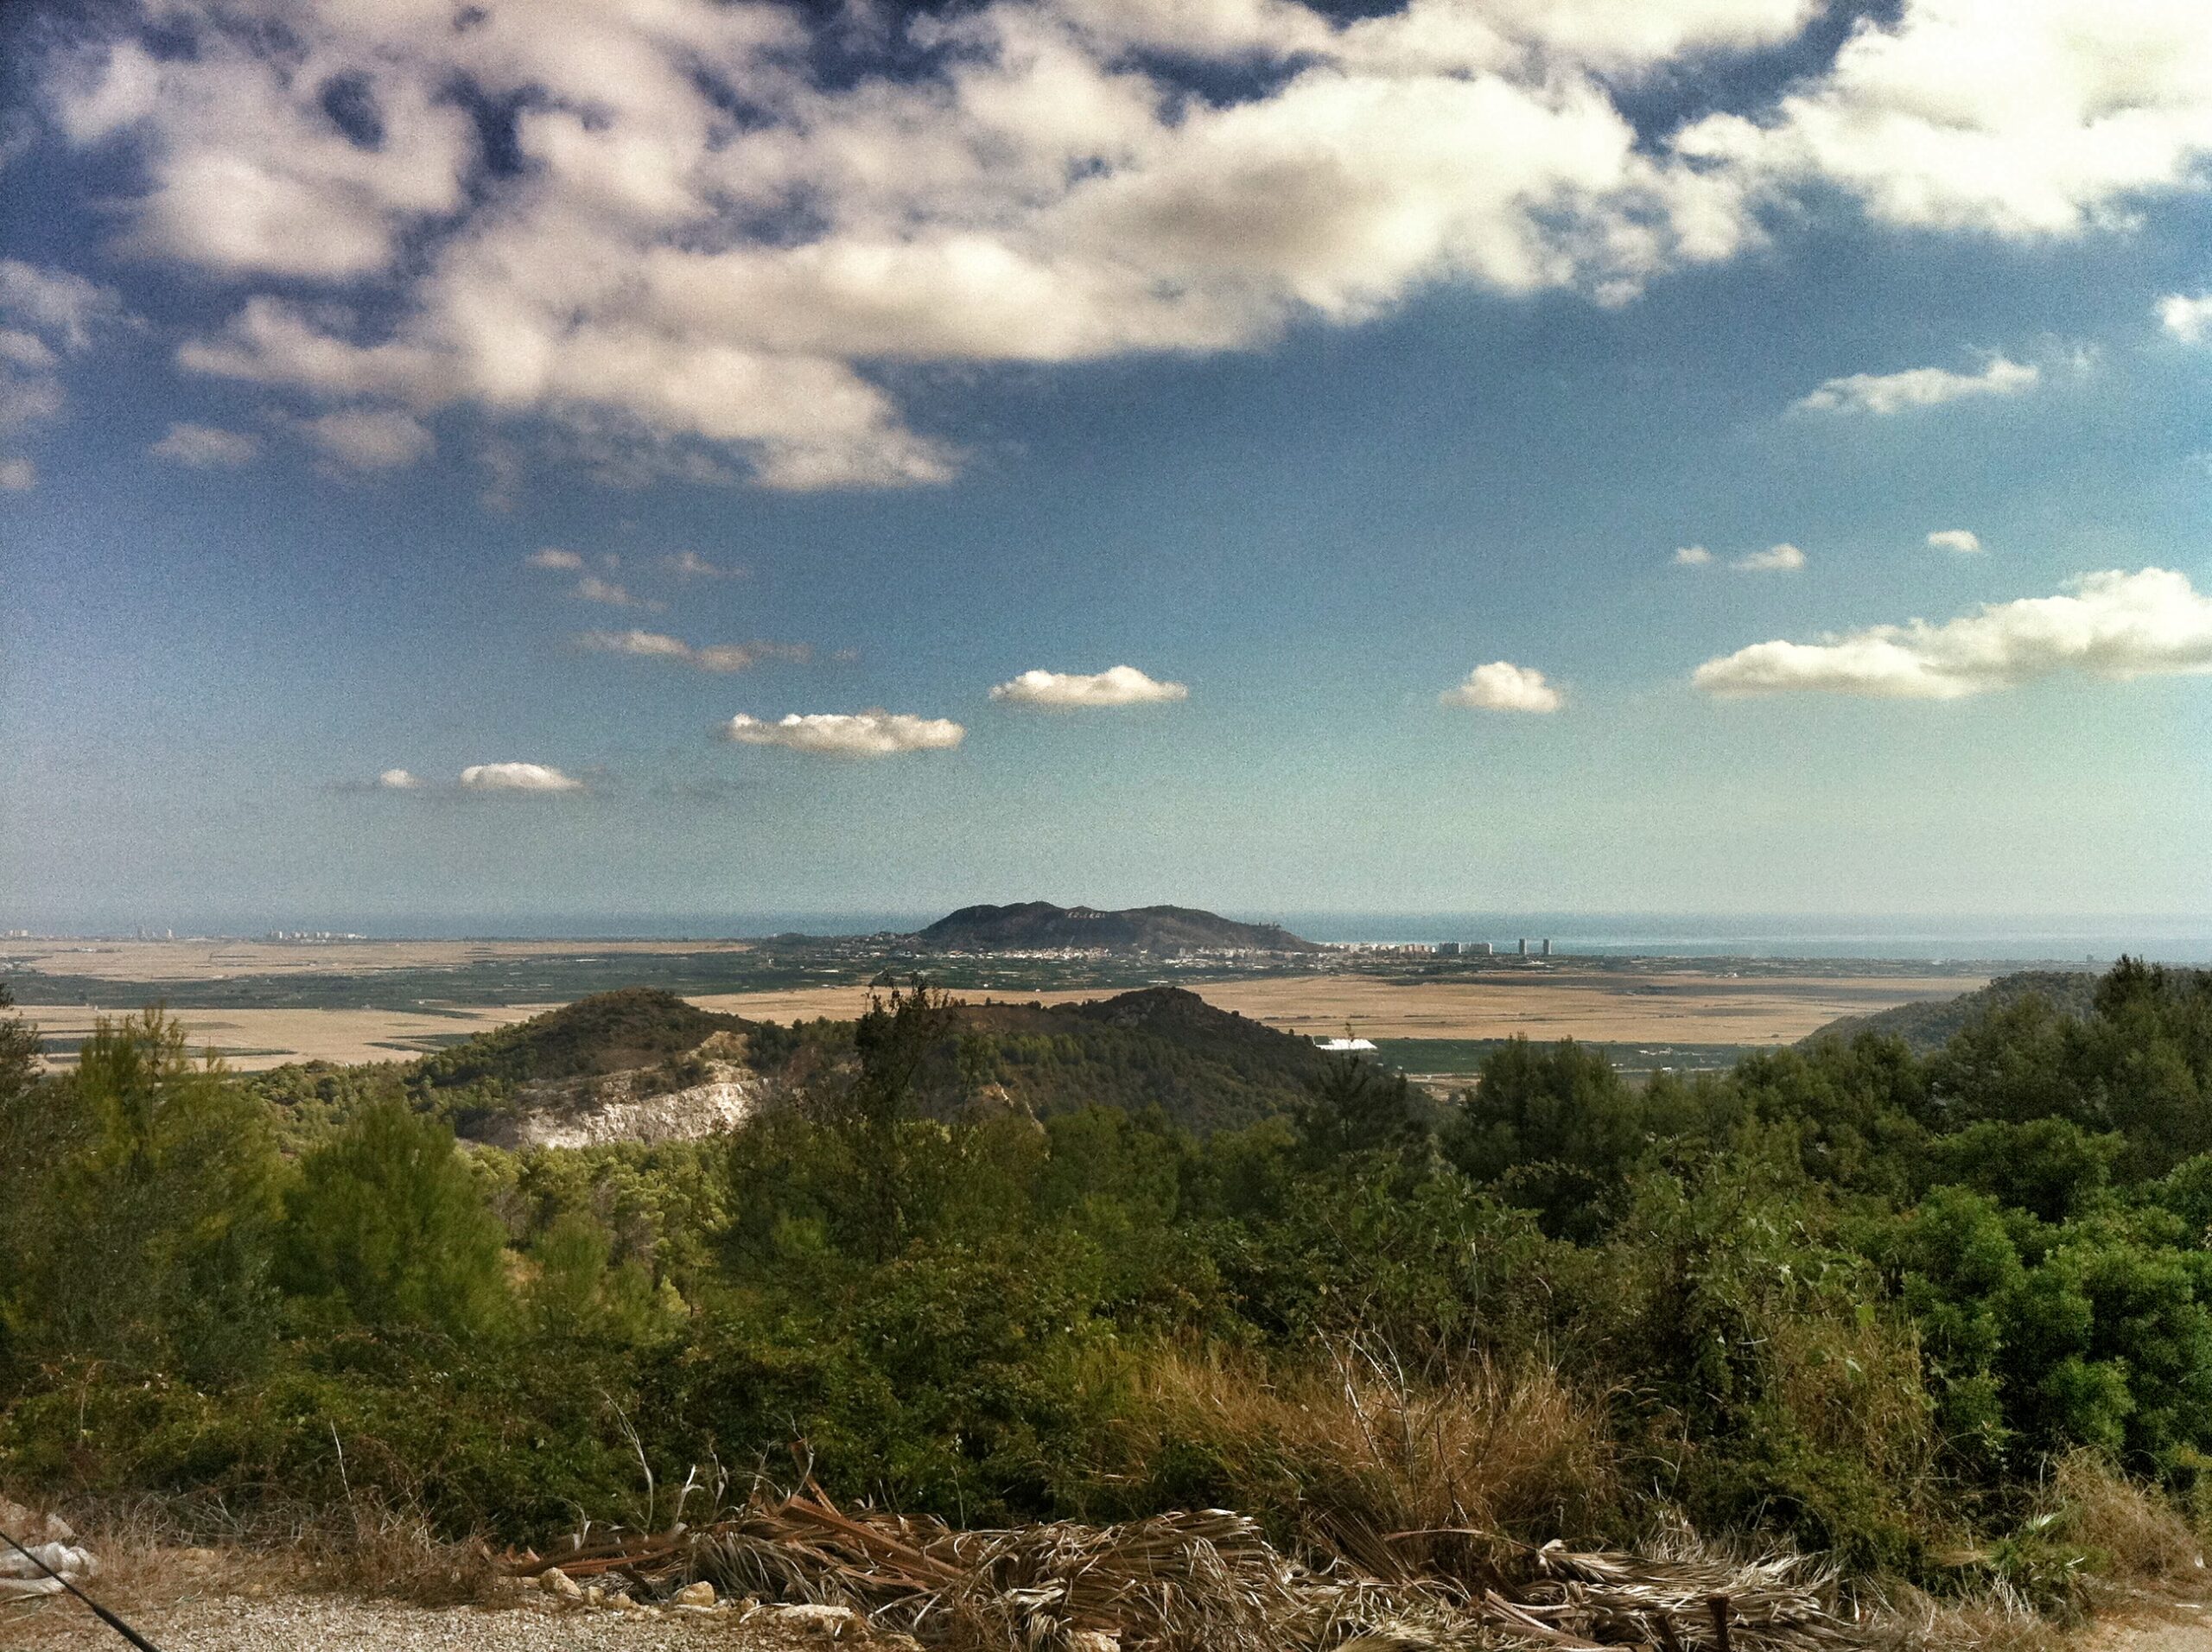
{"x":2091,"y":939}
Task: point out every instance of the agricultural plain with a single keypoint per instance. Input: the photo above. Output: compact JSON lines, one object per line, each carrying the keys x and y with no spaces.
{"x":264,"y":1003}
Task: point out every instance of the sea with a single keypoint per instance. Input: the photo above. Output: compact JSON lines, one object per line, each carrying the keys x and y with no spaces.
{"x":1951,"y":939}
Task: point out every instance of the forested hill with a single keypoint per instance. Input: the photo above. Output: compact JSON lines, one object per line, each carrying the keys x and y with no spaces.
{"x":1038,"y":924}
{"x":605,"y":1033}
{"x":1162,"y":1047}
{"x":1929,"y":1027}
{"x":1205,"y":1068}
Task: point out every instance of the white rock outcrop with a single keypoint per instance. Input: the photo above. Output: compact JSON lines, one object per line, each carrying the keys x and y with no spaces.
{"x":50,"y":1540}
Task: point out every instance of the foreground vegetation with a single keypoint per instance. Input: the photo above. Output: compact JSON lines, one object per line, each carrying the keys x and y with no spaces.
{"x":1847,"y":1296}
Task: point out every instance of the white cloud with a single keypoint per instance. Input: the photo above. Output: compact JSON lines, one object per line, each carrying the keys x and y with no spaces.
{"x":1774,"y":559}
{"x":710,"y":657}
{"x":2020,"y":118}
{"x":2187,"y":319}
{"x":1503,"y":686}
{"x":1039,"y":194}
{"x":643,"y":645}
{"x":689,"y":564}
{"x":609,"y":593}
{"x":204,"y":445}
{"x":1963,"y":541}
{"x":21,"y":349}
{"x":1118,"y":685}
{"x":364,"y":439}
{"x":2112,"y":624}
{"x":526,"y":778}
{"x":1883,"y":394}
{"x":552,"y":556}
{"x":63,"y":307}
{"x":17,"y":475}
{"x":683,"y":290}
{"x":45,"y":315}
{"x":864,"y":733}
{"x":1692,"y":555}
{"x":397,"y":780}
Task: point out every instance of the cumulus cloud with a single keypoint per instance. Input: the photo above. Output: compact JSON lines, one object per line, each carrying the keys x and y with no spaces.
{"x":710,"y":657}
{"x":648,"y":266}
{"x":202,"y":445}
{"x":2112,"y":624}
{"x":1963,"y":541}
{"x":552,"y":556}
{"x":2019,"y":118}
{"x":528,"y":778}
{"x":694,"y":254}
{"x":1775,"y":559}
{"x":1503,"y":686}
{"x":1118,"y":685}
{"x":862,"y":733}
{"x":1692,"y":555}
{"x":366,"y":439}
{"x":17,"y":475}
{"x":1884,"y":394}
{"x":398,"y":781}
{"x":2187,"y":319}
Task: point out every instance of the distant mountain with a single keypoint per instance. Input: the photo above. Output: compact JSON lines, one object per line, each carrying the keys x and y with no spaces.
{"x":1037,"y":925}
{"x":1930,"y":1025}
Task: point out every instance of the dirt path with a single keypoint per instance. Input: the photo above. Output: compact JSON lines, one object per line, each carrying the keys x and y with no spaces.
{"x":289,"y":1623}
{"x":2186,"y":1628}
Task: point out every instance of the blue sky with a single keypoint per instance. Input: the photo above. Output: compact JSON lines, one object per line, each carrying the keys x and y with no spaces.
{"x":1300,"y":364}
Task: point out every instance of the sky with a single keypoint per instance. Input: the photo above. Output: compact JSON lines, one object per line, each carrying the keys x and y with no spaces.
{"x":593,"y":457}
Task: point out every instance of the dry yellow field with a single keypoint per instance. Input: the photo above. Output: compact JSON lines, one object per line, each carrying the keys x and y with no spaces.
{"x":1606,"y":1006}
{"x":268,"y":1038}
{"x":1601,"y":1005}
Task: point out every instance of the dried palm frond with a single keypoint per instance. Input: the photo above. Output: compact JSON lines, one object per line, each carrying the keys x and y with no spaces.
{"x":1208,"y":1580}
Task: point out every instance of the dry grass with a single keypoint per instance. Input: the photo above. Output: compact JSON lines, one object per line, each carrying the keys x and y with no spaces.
{"x":1394,"y":1473}
{"x":2140,"y":1540}
{"x":172,"y":1549}
{"x":1996,"y":1620}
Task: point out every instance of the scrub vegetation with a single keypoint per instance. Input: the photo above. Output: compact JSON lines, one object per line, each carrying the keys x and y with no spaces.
{"x":1946,"y":1316}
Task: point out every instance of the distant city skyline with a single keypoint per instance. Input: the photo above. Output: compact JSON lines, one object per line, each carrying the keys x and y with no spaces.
{"x":1725,"y":457}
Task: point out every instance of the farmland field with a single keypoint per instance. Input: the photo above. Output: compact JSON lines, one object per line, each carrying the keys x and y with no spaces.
{"x":261,"y":1003}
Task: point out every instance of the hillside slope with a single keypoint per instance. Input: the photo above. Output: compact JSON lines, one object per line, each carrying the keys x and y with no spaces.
{"x":1928,"y":1026}
{"x":1207,"y":1069}
{"x":1037,"y":925}
{"x":644,"y":1064}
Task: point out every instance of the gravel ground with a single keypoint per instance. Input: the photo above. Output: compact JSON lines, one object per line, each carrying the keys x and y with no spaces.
{"x":331,"y":1624}
{"x":2185,"y":1627}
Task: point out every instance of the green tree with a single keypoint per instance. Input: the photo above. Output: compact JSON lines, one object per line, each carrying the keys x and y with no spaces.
{"x":1552,"y":1128}
{"x":1356,"y":1108}
{"x":387,"y":1226}
{"x":140,"y":1193}
{"x":870,"y":1112}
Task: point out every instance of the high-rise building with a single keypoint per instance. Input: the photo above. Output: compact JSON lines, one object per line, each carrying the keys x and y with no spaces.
{"x":1547,"y":946}
{"x":1523,"y":947}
